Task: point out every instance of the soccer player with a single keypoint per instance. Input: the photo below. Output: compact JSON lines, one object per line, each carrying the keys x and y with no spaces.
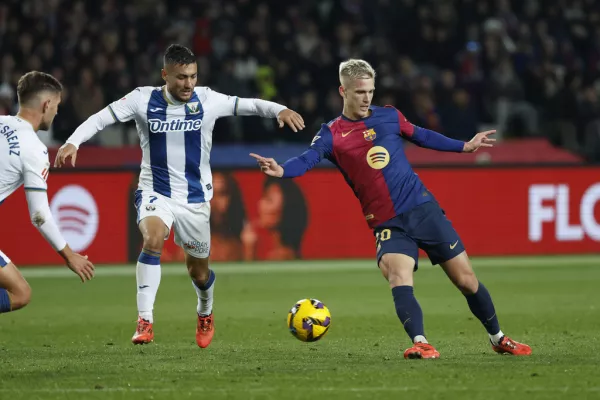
{"x":365,"y":143}
{"x":24,"y":160}
{"x":175,"y":124}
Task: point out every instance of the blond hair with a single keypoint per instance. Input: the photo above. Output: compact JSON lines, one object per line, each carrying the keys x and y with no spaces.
{"x":356,"y":69}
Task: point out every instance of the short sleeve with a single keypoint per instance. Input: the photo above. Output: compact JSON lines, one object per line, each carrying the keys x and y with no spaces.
{"x":406,"y":128}
{"x":323,"y":142}
{"x":36,"y":167}
{"x":124,"y":109}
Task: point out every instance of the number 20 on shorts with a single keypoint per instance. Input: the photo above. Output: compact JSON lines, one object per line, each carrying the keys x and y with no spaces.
{"x":382,"y":236}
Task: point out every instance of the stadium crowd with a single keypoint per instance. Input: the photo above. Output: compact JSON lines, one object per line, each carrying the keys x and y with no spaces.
{"x":525,"y":67}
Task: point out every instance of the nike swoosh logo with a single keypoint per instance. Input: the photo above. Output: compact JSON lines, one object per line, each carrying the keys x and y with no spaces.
{"x":143,"y":286}
{"x":347,"y":133}
{"x":155,"y":109}
{"x":452,"y":246}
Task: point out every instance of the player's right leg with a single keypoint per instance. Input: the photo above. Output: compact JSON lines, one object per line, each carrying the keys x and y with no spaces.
{"x":15,"y":292}
{"x":397,"y":257}
{"x":154,"y":221}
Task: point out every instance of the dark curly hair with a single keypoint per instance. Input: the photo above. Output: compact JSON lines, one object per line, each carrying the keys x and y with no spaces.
{"x":177,"y":54}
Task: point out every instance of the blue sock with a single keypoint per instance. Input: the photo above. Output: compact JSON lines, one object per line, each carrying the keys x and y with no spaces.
{"x":409,"y":311}
{"x":482,"y":307}
{"x":4,"y":301}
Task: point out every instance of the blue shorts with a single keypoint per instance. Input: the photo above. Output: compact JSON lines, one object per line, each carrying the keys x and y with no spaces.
{"x":424,"y":227}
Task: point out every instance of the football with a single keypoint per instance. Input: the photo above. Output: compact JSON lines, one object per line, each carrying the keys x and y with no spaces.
{"x":309,"y":320}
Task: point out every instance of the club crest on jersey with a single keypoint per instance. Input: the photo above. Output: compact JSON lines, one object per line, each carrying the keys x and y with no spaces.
{"x":193,"y":107}
{"x":370,"y":134}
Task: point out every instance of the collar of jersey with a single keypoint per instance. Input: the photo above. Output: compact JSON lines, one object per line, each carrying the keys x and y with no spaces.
{"x":21,"y":119}
{"x":169,"y":98}
{"x":360,"y":119}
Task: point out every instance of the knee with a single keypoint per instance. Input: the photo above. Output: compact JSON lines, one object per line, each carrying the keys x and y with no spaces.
{"x":467,"y":283}
{"x":154,"y":241}
{"x":397,"y":269}
{"x":20,"y":296}
{"x":198,"y":269}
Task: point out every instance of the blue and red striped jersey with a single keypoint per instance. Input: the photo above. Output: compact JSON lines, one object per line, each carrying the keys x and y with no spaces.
{"x":370,"y":154}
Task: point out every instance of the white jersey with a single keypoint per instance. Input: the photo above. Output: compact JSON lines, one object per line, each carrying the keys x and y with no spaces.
{"x":176,"y":138}
{"x":23,"y":157}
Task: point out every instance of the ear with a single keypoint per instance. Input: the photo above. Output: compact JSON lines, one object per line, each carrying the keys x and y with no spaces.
{"x":45,"y":106}
{"x":342,"y":91}
{"x":163,"y":73}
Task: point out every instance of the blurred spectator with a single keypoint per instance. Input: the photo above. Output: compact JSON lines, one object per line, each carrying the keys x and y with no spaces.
{"x":527,"y":67}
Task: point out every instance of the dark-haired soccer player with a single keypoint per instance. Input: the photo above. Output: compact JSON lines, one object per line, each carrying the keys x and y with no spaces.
{"x":365,"y":143}
{"x":175,"y":124}
{"x":24,"y":161}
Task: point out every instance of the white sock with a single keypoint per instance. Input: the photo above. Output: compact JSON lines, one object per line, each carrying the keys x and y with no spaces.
{"x":205,"y":295}
{"x":148,"y":279}
{"x":496,"y":338}
{"x":420,"y":339}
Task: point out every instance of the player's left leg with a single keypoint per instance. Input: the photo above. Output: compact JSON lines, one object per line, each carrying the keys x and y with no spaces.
{"x":192,"y":233}
{"x":15,"y":292}
{"x":461,"y":273}
{"x":439,"y":239}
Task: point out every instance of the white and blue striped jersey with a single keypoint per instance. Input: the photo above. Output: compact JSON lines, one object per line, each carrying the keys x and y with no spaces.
{"x":176,"y":138}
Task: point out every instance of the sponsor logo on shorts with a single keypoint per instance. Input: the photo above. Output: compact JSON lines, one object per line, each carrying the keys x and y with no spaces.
{"x":452,"y":246}
{"x":196,"y":246}
{"x":150,"y":207}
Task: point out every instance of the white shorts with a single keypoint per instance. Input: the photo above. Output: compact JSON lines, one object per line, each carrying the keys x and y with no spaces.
{"x":191,"y":222}
{"x":4,"y":260}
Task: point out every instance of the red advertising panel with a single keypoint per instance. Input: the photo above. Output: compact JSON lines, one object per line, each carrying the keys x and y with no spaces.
{"x":495,"y":211}
{"x":90,"y":209}
{"x":521,"y":211}
{"x":509,"y":211}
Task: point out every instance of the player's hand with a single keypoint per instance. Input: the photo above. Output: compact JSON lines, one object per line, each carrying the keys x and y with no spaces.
{"x":81,"y":266}
{"x":268,"y":165}
{"x":482,"y":139}
{"x":66,"y":150}
{"x":290,"y":118}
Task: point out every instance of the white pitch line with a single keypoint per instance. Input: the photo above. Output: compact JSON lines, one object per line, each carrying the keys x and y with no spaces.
{"x":312,"y":266}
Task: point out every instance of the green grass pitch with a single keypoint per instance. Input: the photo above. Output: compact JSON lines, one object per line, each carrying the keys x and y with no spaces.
{"x":73,"y":340}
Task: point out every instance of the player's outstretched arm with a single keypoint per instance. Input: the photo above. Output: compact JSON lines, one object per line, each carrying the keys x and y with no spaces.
{"x":41,"y":217}
{"x":482,"y":139}
{"x":269,"y":109}
{"x":292,"y":168}
{"x":290,"y":118}
{"x":118,"y":111}
{"x":234,"y":106}
{"x":436,"y":141}
{"x":268,"y":165}
{"x":83,"y":133}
